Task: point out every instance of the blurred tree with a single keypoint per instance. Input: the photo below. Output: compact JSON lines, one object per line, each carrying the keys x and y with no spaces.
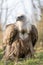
{"x":1,"y":3}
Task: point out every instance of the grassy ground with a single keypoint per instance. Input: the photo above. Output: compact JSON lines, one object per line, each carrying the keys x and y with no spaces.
{"x":39,"y":49}
{"x":35,"y":61}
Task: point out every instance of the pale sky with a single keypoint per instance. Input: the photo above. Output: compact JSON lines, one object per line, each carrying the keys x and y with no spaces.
{"x":41,"y":1}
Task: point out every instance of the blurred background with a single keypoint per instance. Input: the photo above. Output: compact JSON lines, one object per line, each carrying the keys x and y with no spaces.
{"x":5,"y":12}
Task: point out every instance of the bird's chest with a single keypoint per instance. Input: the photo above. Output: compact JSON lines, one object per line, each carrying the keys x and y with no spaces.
{"x":23,"y":36}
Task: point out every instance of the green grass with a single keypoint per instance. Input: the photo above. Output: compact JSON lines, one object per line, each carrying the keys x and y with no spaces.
{"x":33,"y":61}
